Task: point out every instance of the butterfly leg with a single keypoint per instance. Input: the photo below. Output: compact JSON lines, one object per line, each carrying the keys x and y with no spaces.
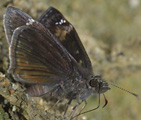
{"x":67,"y":106}
{"x":85,"y":103}
{"x":81,"y":109}
{"x":73,"y":111}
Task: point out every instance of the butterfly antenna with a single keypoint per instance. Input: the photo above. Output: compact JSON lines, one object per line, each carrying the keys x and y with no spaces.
{"x":125,"y":90}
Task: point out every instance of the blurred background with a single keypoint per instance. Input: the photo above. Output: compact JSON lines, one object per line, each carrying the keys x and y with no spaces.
{"x":110,"y":31}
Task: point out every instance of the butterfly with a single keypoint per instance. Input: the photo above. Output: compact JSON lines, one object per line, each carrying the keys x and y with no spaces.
{"x":48,"y":56}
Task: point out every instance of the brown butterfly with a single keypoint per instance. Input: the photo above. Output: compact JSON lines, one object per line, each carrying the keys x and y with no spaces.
{"x":48,"y":56}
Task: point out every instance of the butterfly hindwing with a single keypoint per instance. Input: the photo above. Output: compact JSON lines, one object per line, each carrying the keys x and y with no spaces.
{"x":36,"y":58}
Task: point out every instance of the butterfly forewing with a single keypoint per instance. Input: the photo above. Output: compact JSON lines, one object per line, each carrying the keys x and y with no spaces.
{"x":53,"y":20}
{"x":44,"y":53}
{"x":35,"y":58}
{"x":12,"y":19}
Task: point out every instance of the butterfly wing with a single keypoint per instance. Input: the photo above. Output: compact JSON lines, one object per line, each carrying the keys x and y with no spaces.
{"x":37,"y":57}
{"x":34,"y":53}
{"x":13,"y":18}
{"x":44,"y":62}
{"x":53,"y":20}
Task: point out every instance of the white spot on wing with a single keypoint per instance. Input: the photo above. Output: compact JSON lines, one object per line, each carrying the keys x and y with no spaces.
{"x":64,"y":21}
{"x":56,"y":23}
{"x":30,"y":22}
{"x":60,"y":22}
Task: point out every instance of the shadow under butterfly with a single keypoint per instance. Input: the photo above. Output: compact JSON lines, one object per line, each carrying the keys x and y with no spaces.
{"x":49,"y":57}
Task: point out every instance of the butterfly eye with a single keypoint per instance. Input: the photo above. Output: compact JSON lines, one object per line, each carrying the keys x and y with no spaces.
{"x":93,"y":83}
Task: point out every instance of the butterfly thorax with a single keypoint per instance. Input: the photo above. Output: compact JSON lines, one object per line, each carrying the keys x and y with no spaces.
{"x":80,"y":89}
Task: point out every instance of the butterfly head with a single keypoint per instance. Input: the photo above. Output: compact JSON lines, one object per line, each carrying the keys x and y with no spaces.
{"x":98,"y":84}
